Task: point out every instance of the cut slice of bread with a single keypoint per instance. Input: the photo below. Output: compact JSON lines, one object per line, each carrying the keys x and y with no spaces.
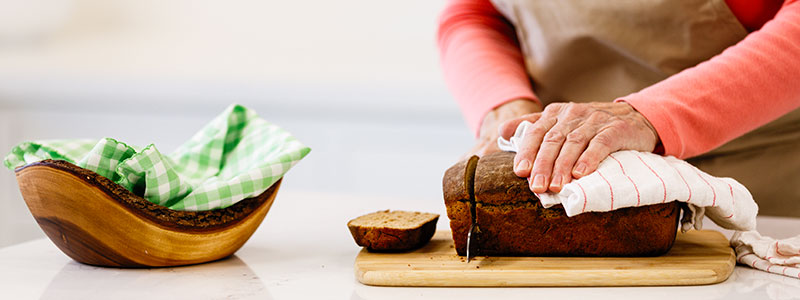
{"x":393,"y":230}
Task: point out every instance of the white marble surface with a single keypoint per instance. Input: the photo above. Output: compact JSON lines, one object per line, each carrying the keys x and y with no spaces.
{"x":303,"y":250}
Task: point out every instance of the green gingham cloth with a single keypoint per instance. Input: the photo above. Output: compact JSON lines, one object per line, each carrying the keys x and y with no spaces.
{"x":236,"y":156}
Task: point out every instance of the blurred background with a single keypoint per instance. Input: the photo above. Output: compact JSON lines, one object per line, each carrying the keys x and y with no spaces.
{"x":358,"y":81}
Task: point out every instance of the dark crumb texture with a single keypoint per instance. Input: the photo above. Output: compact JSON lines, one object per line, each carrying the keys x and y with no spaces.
{"x":511,"y":220}
{"x":380,"y":238}
{"x":185,"y":220}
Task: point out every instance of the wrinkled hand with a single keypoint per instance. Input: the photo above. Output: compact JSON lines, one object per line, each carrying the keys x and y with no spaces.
{"x":488,"y":134}
{"x":569,"y":140}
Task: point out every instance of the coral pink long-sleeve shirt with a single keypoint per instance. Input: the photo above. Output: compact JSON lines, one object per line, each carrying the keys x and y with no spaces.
{"x":694,"y":111}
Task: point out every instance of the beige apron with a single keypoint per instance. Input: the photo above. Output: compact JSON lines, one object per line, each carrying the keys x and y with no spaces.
{"x":589,"y":50}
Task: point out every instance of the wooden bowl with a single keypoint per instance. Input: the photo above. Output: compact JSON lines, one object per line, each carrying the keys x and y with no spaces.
{"x":98,"y":222}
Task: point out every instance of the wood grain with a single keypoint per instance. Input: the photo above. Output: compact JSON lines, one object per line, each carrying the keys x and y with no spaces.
{"x":697,"y":257}
{"x":97,"y":222}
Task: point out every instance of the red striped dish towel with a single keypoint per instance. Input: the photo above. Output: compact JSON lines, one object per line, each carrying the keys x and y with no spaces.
{"x":765,"y":253}
{"x":633,"y":178}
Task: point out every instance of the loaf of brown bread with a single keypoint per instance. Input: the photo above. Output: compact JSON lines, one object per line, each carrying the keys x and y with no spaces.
{"x":393,"y":230}
{"x":512,"y":221}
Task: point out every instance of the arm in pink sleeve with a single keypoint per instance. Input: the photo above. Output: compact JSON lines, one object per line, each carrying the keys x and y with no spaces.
{"x":746,"y":86}
{"x":481,"y":59}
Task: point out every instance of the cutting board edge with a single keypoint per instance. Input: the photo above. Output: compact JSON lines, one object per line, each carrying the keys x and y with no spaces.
{"x":478,"y":278}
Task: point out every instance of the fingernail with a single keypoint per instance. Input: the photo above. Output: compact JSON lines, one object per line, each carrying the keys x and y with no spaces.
{"x":557,"y":180}
{"x":538,"y":182}
{"x":523,"y":165}
{"x":580,"y":169}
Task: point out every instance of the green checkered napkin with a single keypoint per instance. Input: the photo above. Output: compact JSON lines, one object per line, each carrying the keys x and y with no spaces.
{"x":236,"y":156}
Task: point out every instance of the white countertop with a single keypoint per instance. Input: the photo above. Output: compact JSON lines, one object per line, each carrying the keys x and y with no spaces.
{"x":303,"y":250}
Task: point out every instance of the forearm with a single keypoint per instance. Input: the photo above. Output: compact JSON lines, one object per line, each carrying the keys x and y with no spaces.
{"x":744,"y":87}
{"x":481,"y":59}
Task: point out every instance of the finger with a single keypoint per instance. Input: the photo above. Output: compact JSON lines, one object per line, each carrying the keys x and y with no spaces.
{"x":575,"y":143}
{"x":574,"y":146}
{"x":601,"y":146}
{"x":508,"y":128}
{"x":542,"y":171}
{"x":529,"y":146}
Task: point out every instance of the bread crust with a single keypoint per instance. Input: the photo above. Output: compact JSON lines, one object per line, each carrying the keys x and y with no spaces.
{"x":388,"y":239}
{"x":512,"y":221}
{"x":457,"y":185}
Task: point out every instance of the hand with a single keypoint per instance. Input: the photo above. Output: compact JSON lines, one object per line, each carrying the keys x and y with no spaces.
{"x":569,"y":140}
{"x":488,"y":133}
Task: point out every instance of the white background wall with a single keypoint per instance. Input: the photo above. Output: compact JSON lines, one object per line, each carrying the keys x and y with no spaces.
{"x":356,"y":80}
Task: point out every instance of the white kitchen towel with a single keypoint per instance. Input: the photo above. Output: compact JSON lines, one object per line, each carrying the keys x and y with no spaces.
{"x":765,"y":253}
{"x":633,"y":178}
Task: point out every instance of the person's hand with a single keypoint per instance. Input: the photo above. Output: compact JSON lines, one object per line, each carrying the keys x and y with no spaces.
{"x":569,"y":140}
{"x":488,"y":132}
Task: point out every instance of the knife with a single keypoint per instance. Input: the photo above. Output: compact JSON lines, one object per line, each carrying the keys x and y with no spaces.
{"x":472,"y":235}
{"x":472,"y":246}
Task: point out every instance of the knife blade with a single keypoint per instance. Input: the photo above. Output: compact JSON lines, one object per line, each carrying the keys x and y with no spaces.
{"x":472,"y":235}
{"x":472,"y":246}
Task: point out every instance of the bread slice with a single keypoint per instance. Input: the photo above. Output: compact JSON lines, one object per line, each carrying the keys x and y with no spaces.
{"x":393,"y":230}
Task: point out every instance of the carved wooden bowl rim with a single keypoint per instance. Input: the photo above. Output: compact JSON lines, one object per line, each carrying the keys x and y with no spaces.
{"x":193,"y":221}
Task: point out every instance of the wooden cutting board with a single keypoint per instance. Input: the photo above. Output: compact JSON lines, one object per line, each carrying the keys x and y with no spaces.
{"x":698,"y":257}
